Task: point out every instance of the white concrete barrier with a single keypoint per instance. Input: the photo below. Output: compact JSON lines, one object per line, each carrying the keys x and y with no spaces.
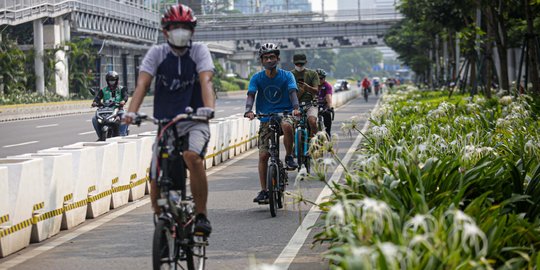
{"x":127,"y":162}
{"x":141,"y":164}
{"x":25,"y":193}
{"x":148,"y":158}
{"x":233,"y":139}
{"x":100,"y":193}
{"x":57,"y":177}
{"x":218,"y":136}
{"x":4,"y":212}
{"x":83,"y":176}
{"x":211,"y":149}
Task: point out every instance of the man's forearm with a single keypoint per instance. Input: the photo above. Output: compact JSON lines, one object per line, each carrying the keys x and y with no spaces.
{"x":140,"y":91}
{"x":249,"y":102}
{"x":207,"y":88}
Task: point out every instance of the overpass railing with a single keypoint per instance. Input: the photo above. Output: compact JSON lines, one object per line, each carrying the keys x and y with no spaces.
{"x":300,"y":17}
{"x":14,"y":12}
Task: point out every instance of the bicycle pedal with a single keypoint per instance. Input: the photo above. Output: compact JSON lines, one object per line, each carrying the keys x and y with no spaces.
{"x":200,"y":240}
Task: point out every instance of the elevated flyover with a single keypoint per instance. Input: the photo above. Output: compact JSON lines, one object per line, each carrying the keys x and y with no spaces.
{"x":298,"y":30}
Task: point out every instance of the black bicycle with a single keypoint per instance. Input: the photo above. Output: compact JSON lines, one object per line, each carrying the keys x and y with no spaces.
{"x":276,"y":175}
{"x":175,"y":244}
{"x":322,"y":111}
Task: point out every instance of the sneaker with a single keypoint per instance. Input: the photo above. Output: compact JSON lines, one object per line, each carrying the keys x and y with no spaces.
{"x":262,"y":197}
{"x":289,"y":160}
{"x":202,"y":225}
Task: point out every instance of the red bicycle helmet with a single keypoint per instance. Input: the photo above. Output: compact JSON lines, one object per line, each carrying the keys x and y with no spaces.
{"x":178,"y":13}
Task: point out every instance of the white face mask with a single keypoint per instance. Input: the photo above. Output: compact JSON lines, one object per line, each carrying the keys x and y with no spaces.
{"x":299,"y":69}
{"x":179,"y":37}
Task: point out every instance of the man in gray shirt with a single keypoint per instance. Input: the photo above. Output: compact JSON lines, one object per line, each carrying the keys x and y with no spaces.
{"x":183,"y":72}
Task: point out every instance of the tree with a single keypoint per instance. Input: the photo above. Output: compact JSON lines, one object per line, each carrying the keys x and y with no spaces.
{"x":12,"y":70}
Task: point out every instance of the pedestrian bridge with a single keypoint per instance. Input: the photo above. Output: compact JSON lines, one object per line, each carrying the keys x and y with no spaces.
{"x":313,"y":30}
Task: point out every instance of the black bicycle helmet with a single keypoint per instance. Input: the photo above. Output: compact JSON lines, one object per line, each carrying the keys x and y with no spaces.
{"x":321,"y":73}
{"x":112,"y":79}
{"x":268,"y":48}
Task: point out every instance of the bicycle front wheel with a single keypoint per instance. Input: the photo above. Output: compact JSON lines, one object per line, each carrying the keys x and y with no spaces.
{"x":163,"y":247}
{"x":196,"y":256}
{"x":272,"y":184}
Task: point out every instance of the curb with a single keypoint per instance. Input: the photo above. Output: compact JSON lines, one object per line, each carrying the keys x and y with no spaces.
{"x":19,"y":112}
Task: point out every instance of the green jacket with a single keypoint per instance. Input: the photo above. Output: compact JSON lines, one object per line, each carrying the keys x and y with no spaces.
{"x":106,"y":94}
{"x":311,"y":78}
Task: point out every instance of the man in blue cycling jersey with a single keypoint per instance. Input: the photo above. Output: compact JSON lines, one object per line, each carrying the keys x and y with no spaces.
{"x":183,"y":73}
{"x":274,"y":91}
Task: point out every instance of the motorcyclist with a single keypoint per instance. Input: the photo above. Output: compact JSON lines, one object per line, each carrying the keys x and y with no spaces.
{"x":112,"y":93}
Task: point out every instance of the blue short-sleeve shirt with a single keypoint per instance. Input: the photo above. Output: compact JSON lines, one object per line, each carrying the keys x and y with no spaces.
{"x":272,"y":94}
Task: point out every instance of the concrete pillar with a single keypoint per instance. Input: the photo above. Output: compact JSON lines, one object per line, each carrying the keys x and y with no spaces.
{"x":38,"y":57}
{"x":55,"y":37}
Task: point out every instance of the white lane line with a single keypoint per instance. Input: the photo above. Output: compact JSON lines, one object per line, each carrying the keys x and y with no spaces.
{"x":50,"y":244}
{"x":89,"y":120}
{"x":67,"y":237}
{"x":86,"y":133}
{"x":237,"y":108}
{"x":51,"y":125}
{"x":288,"y":254}
{"x":227,"y":102}
{"x":19,"y":144}
{"x":220,"y":110}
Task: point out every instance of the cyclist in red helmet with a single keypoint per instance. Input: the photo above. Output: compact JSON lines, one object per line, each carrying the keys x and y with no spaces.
{"x":183,"y":70}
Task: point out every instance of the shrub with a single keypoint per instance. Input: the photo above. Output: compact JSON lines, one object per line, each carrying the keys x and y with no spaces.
{"x":228,"y":86}
{"x":439,"y":183}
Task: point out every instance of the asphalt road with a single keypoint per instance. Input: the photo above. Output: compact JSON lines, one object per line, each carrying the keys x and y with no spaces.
{"x":29,"y":136}
{"x":243,"y":233}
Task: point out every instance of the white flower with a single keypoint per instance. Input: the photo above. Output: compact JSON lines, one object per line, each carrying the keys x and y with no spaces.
{"x":374,"y":214}
{"x":336,"y":215}
{"x":473,"y":237}
{"x":419,"y":223}
{"x":302,"y":175}
{"x":506,"y":100}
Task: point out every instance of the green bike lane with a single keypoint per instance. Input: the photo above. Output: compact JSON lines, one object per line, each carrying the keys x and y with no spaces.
{"x":243,"y":232}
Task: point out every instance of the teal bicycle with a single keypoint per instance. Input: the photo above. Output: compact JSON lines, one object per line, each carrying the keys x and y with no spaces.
{"x":301,"y":137}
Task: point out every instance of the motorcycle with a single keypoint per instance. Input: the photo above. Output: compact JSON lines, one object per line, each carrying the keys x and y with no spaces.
{"x":108,"y":116}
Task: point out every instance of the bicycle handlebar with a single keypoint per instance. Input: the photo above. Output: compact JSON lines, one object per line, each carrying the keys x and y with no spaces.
{"x":142,"y":117}
{"x":261,"y":115}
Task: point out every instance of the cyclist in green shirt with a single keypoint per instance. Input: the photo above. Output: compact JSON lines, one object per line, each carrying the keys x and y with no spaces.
{"x":308,"y":88}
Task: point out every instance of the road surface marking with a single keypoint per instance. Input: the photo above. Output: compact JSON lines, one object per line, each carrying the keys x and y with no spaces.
{"x":288,"y":254}
{"x":19,"y":144}
{"x":237,"y":108}
{"x":51,"y":125}
{"x":86,"y":133}
{"x":227,"y":102}
{"x":220,"y":111}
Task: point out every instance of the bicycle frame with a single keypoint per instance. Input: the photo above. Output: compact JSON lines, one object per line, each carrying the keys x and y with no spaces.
{"x":174,"y":240}
{"x":302,"y":133}
{"x":276,"y":177}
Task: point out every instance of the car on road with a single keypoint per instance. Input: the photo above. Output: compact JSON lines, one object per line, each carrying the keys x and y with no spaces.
{"x":341,"y":85}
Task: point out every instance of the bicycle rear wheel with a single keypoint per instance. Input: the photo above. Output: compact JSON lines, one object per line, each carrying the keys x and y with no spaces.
{"x":163,"y":247}
{"x":272,"y":184}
